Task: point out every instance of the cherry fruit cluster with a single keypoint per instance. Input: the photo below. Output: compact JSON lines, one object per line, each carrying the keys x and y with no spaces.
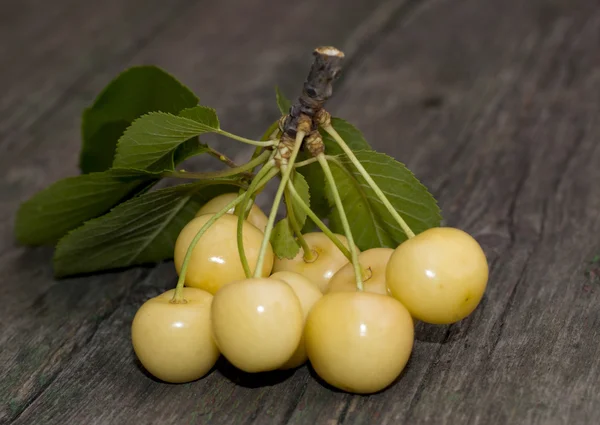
{"x":305,"y":308}
{"x":264,"y":295}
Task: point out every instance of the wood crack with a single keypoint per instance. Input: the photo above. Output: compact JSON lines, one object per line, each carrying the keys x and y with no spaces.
{"x":344,"y":411}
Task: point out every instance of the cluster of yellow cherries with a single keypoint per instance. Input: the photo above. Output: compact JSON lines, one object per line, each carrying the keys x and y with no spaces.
{"x":357,"y":341}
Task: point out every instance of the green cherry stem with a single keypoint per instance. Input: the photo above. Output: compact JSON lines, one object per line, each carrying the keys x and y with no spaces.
{"x":286,"y":170}
{"x":305,"y":162}
{"x":178,"y":296}
{"x":308,"y":253}
{"x":247,"y":141}
{"x":249,"y":166}
{"x":246,"y":204}
{"x":257,"y":151}
{"x":340,"y":206}
{"x":309,"y":161}
{"x":319,"y":222}
{"x":265,"y":174}
{"x":333,"y":133}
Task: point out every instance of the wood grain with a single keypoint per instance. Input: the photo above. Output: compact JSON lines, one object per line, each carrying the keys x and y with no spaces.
{"x":493,"y":104}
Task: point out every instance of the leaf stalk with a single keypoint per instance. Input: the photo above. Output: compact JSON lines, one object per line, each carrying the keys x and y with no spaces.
{"x":266,"y":143}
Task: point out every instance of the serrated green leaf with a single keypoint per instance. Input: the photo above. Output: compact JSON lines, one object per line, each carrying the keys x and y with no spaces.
{"x":313,"y":173}
{"x":150,"y":142}
{"x":98,"y":150}
{"x":351,"y":135}
{"x":206,"y":117}
{"x":283,"y":102}
{"x":371,"y":223}
{"x":283,"y":241}
{"x":188,"y":149}
{"x":66,"y":204}
{"x":282,"y":238}
{"x":303,"y":190}
{"x":133,"y":93}
{"x":139,"y":231}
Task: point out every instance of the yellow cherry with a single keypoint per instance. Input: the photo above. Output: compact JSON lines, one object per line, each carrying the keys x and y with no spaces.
{"x":256,"y":217}
{"x":374,"y":262}
{"x":174,"y":341}
{"x":308,"y":293}
{"x":257,"y":323}
{"x":440,"y":275}
{"x":215,"y":260}
{"x":359,"y":342}
{"x":328,"y":259}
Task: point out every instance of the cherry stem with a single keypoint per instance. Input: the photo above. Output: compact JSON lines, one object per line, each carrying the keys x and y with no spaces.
{"x":249,"y":166}
{"x":333,"y":133}
{"x":340,"y":206}
{"x":178,"y":296}
{"x":286,"y":170}
{"x":319,"y":222}
{"x":247,"y":141}
{"x":265,"y":174}
{"x":308,"y":254}
{"x":305,"y":162}
{"x":309,"y":161}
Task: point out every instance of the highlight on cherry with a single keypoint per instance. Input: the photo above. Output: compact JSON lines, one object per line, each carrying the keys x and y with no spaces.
{"x":348,"y":256}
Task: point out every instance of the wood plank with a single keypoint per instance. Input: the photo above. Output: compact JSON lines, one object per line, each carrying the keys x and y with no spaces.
{"x":494,"y":105}
{"x":63,"y":321}
{"x":54,"y":45}
{"x":47,"y":321}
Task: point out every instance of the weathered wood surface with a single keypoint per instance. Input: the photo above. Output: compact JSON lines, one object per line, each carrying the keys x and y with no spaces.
{"x":495,"y":105}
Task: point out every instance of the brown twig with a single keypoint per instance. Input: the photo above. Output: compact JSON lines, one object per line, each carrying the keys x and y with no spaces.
{"x":222,"y":157}
{"x":317,"y":88}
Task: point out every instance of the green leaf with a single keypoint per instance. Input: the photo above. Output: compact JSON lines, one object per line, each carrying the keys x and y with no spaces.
{"x":66,"y":204}
{"x":191,"y":147}
{"x":98,"y":150}
{"x":313,"y":173}
{"x":188,"y":149}
{"x":283,"y":102}
{"x":283,"y":241}
{"x":133,"y":93}
{"x":206,"y":117}
{"x":139,"y":231}
{"x":351,"y":135}
{"x":303,"y":190}
{"x":371,"y":223}
{"x":152,"y":140}
{"x":282,"y":238}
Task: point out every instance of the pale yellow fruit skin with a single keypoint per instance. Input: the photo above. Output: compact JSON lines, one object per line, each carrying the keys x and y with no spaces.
{"x":374,"y":261}
{"x":257,"y":323}
{"x":215,"y":260}
{"x":256,"y":217}
{"x":359,"y":342}
{"x":330,"y":259}
{"x":174,"y":341}
{"x":308,"y":293}
{"x":440,"y":275}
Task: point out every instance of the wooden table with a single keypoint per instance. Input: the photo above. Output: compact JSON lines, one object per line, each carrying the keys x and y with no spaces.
{"x":494,"y":105}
